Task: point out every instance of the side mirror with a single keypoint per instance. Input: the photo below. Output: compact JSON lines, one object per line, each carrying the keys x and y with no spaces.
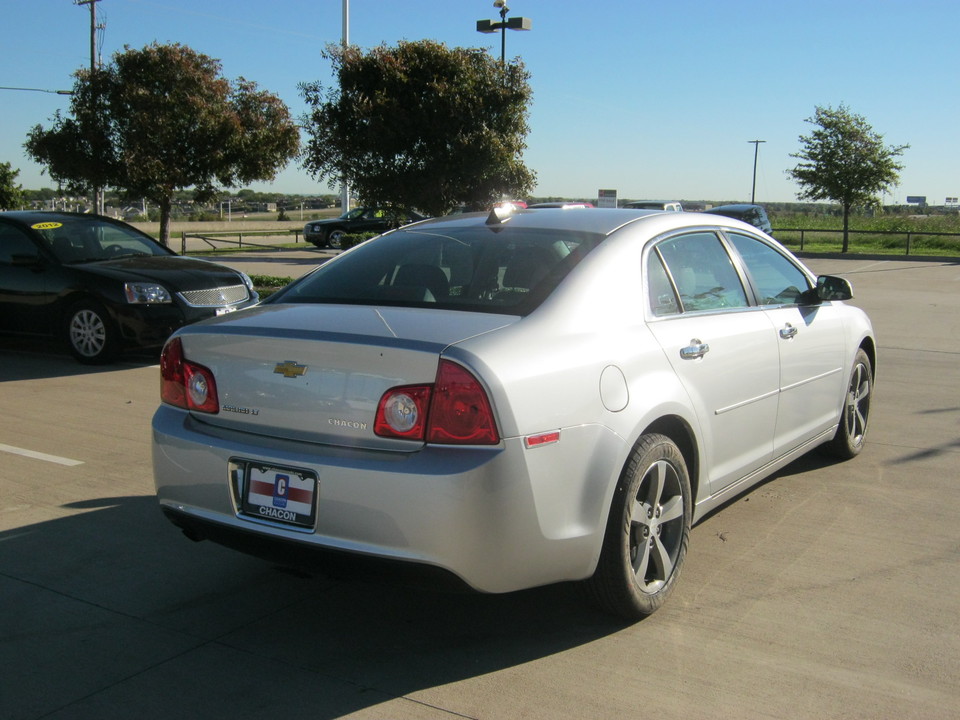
{"x":18,"y":260}
{"x":830,"y":287}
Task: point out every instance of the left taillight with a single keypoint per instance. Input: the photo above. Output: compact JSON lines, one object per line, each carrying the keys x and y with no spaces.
{"x":186,"y":384}
{"x":454,"y":410}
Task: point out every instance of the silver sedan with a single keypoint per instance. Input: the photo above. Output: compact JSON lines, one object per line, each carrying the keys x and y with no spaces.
{"x":512,"y":400}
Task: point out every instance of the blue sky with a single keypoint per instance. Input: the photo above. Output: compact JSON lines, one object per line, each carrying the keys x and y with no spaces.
{"x":655,"y":100}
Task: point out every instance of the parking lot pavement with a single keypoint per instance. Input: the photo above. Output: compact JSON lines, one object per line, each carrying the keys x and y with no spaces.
{"x":827,"y":591}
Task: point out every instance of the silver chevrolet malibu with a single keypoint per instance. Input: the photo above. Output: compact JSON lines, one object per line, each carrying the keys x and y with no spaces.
{"x":512,"y":400}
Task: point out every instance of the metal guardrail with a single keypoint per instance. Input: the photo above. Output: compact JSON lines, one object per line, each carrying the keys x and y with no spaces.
{"x":909,"y":235}
{"x":225,"y":238}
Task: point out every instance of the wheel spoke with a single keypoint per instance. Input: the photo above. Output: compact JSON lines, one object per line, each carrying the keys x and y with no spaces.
{"x":672,"y":509}
{"x":662,"y":562}
{"x":658,"y":475}
{"x":640,"y":552}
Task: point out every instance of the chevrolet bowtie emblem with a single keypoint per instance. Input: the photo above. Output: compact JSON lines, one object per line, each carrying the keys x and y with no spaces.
{"x":290,"y":369}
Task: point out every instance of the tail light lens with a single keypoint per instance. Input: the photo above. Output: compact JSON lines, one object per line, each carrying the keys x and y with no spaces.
{"x":454,"y":410}
{"x":186,"y":384}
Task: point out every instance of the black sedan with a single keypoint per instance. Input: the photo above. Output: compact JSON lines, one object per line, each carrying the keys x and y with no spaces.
{"x":324,"y":233}
{"x":104,"y":286}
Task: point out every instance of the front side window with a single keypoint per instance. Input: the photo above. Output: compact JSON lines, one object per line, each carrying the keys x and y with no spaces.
{"x":778,"y":281}
{"x":702,"y":272}
{"x":14,"y":243}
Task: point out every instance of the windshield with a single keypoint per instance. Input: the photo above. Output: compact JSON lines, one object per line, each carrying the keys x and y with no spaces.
{"x":474,"y":268}
{"x":88,"y":238}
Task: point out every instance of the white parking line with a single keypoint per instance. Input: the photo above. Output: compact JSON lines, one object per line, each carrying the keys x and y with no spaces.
{"x":39,"y":455}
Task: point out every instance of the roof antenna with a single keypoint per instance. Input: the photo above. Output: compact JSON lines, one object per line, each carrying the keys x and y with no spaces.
{"x":499,"y":215}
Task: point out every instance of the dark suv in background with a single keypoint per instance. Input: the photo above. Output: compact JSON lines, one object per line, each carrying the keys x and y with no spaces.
{"x":752,"y":214}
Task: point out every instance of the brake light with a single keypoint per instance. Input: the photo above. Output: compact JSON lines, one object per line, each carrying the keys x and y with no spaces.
{"x":186,"y":384}
{"x":460,"y":412}
{"x":454,"y":410}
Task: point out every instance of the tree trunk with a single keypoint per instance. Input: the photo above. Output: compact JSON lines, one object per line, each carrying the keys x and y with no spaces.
{"x":846,"y":227}
{"x":165,"y":205}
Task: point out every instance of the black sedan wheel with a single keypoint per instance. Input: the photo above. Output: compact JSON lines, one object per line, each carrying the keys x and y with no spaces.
{"x":647,"y":532}
{"x":90,"y":333}
{"x":335,"y":238}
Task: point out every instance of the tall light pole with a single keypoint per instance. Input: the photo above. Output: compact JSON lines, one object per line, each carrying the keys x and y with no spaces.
{"x":514,"y":23}
{"x":756,"y":151}
{"x":97,"y":191}
{"x":345,"y":41}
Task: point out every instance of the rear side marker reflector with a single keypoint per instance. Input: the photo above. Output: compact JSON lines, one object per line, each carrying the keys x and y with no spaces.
{"x":549,"y":438}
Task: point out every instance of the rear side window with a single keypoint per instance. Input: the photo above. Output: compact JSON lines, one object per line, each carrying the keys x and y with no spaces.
{"x":777,"y":280}
{"x":477,"y":269}
{"x":701,"y":271}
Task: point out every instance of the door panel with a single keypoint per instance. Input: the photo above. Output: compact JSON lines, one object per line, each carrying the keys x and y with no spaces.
{"x":724,"y":352}
{"x":810,"y":340}
{"x":733,"y":386}
{"x":812,"y":377}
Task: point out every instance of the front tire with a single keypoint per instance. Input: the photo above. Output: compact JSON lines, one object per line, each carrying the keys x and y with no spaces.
{"x":855,"y":416}
{"x":335,"y":238}
{"x":647,"y":531}
{"x":90,"y":333}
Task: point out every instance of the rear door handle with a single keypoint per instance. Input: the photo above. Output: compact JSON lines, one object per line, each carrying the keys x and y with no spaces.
{"x":788,"y":331}
{"x":696,"y":349}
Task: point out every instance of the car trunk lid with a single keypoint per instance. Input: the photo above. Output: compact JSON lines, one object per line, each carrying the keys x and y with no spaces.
{"x":317,"y":372}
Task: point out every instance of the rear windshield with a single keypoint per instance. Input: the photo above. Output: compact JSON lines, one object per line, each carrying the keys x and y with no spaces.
{"x":505,"y":270}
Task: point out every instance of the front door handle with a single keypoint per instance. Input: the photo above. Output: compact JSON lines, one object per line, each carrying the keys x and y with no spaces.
{"x":696,"y":349}
{"x":788,"y":331}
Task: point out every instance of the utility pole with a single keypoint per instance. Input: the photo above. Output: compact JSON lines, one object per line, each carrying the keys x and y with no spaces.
{"x":345,"y":40}
{"x":756,"y":151}
{"x":97,"y":191}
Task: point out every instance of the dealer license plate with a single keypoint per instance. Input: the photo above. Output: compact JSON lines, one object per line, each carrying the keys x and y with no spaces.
{"x":284,"y":495}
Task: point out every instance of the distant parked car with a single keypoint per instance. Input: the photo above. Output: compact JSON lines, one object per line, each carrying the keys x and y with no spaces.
{"x":654,"y":205}
{"x":561,"y":205}
{"x":329,"y":233}
{"x":512,"y":400}
{"x":511,"y":205}
{"x":103,"y":285}
{"x":753,"y":214}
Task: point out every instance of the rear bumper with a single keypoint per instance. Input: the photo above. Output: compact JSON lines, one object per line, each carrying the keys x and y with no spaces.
{"x":499,"y":519}
{"x":335,"y":563}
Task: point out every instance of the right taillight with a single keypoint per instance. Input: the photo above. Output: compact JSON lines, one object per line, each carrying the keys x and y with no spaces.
{"x":186,"y":384}
{"x":454,"y":410}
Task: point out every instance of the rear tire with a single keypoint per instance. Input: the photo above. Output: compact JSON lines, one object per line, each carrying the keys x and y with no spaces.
{"x":647,"y":531}
{"x":91,"y":334}
{"x":855,"y":415}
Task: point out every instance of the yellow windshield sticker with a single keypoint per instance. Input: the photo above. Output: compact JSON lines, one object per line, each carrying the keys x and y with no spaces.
{"x":46,"y":226}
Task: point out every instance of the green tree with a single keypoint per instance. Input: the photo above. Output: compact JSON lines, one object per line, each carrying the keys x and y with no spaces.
{"x":844,"y":160}
{"x":11,"y":194}
{"x":420,"y":126}
{"x":162,"y":119}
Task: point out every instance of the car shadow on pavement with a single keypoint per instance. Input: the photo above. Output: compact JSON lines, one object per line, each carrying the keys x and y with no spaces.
{"x":24,"y":358}
{"x":109,"y":607}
